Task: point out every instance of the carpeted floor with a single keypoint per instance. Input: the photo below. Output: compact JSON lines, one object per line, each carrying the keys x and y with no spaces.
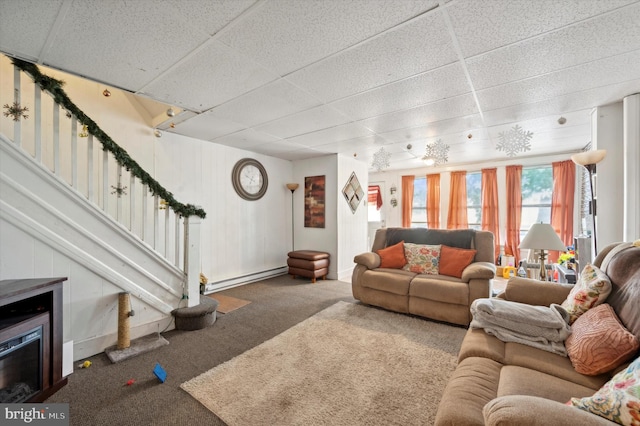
{"x":99,"y":396}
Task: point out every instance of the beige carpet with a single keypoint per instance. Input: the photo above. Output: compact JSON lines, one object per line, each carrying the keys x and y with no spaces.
{"x":227,"y":304}
{"x":349,"y":364}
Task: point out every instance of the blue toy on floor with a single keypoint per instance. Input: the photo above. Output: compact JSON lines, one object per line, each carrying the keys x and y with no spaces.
{"x":160,"y":373}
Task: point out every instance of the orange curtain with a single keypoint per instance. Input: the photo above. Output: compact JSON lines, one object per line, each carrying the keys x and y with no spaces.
{"x":374,"y":196}
{"x":490,"y":216}
{"x":457,"y":217}
{"x":433,"y":201}
{"x":407,"y":200}
{"x":564,"y":185}
{"x":514,"y":211}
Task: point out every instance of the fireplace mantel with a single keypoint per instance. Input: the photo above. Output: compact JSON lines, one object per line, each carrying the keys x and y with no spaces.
{"x":18,"y":297}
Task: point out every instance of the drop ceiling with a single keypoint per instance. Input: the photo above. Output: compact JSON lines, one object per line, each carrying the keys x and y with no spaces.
{"x":298,"y":79}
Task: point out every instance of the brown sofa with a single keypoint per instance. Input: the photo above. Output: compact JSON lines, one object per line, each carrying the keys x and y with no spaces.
{"x":497,"y":383}
{"x":439,"y":297}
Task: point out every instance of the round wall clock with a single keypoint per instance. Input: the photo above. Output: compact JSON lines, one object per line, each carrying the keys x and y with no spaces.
{"x":249,"y":179}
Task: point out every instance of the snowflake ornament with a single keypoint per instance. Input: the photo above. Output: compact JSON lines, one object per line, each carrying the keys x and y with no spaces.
{"x":437,"y":152}
{"x":381,"y":159}
{"x":514,"y":141}
{"x":15,"y":110}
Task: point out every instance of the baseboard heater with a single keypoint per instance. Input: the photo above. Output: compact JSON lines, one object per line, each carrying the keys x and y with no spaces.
{"x":244,"y":279}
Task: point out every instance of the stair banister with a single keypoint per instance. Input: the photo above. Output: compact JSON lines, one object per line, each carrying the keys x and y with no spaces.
{"x":191,"y":239}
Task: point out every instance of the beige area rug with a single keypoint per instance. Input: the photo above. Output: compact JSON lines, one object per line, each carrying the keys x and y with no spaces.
{"x":349,"y":364}
{"x":227,"y":304}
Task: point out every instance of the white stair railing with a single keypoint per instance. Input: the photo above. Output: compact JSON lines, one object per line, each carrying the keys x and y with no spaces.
{"x":68,"y":149}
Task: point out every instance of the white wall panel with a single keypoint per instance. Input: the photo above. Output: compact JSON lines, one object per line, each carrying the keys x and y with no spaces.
{"x":607,"y":133}
{"x":352,"y":227}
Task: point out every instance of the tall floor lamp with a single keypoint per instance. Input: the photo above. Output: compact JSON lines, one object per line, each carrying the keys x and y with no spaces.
{"x":292,"y":187}
{"x":588,"y":160}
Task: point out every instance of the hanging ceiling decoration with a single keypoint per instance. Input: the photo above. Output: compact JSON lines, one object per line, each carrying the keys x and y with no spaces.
{"x":381,"y":159}
{"x":514,"y":141}
{"x":436,"y":153}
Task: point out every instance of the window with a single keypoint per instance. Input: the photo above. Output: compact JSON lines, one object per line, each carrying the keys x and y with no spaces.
{"x":419,"y":207}
{"x":537,"y":188}
{"x":474,"y":200}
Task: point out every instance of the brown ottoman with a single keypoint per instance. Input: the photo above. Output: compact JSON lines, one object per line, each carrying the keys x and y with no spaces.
{"x":308,"y":263}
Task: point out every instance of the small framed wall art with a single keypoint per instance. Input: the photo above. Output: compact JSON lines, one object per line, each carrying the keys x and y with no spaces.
{"x":314,"y":201}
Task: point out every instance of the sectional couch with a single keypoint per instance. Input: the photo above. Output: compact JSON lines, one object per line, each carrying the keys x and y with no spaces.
{"x":498,"y":383}
{"x":435,"y":296}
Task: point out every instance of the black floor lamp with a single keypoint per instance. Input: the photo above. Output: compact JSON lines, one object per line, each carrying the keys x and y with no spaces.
{"x":588,"y":160}
{"x":292,"y":187}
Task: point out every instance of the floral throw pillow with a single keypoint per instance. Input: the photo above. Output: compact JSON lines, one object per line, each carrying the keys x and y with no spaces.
{"x":593,"y":288}
{"x":422,"y":259}
{"x":618,"y":400}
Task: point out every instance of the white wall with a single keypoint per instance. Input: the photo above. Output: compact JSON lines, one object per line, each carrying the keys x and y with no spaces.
{"x":631,"y":118}
{"x":352,"y":226}
{"x":344,"y":234}
{"x":238,"y":237}
{"x":607,"y":133}
{"x":320,"y":239}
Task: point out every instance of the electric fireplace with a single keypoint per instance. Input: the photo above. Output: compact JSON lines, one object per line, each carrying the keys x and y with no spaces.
{"x":30,"y":339}
{"x":24,"y":345}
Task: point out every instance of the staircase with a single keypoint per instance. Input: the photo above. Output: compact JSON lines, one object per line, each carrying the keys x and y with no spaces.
{"x":75,"y":204}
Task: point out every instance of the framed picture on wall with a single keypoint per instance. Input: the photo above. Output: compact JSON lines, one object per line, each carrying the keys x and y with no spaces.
{"x":314,"y":195}
{"x":353,"y":192}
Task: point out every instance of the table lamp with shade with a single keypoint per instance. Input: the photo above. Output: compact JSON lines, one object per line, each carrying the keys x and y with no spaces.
{"x":542,"y":236}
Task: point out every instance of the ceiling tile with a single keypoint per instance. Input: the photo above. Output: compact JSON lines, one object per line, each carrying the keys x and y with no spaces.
{"x":413,"y":48}
{"x":435,"y":85}
{"x":311,"y":120}
{"x":207,"y":127}
{"x":245,"y":139}
{"x":352,"y":146}
{"x":336,"y":134}
{"x":600,"y":73}
{"x":25,"y":26}
{"x":280,"y":148}
{"x":209,"y":15}
{"x":286,"y":35}
{"x":511,"y":21}
{"x":227,"y":73}
{"x":606,"y":36}
{"x":129,"y":43}
{"x":269,"y":102}
{"x":457,"y":126}
{"x":458,"y":106}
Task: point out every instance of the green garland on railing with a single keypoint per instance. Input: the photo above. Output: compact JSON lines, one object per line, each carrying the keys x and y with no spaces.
{"x":54,"y":87}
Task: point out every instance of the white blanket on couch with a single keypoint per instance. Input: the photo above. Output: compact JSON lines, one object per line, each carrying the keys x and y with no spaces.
{"x":539,"y":326}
